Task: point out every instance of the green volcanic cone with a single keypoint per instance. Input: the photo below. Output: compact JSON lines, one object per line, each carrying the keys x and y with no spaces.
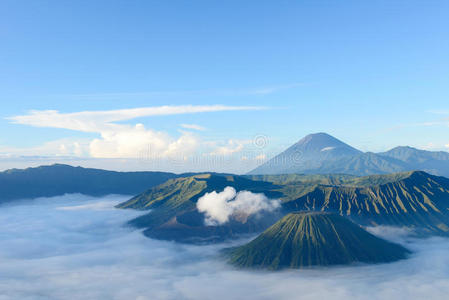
{"x":314,"y":238}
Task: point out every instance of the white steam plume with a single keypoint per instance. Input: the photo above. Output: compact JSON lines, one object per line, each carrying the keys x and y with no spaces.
{"x":218,"y":207}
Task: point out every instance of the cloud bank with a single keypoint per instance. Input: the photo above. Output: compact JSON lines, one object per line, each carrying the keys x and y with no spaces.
{"x":117,"y":140}
{"x":49,"y":251}
{"x":219,"y":207}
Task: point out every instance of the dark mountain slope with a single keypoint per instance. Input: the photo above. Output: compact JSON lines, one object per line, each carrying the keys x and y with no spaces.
{"x":310,"y":239}
{"x":47,"y":181}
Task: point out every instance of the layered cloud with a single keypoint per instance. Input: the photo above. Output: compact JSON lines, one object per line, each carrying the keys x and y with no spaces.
{"x":62,"y":147}
{"x":117,"y":140}
{"x":219,"y":207}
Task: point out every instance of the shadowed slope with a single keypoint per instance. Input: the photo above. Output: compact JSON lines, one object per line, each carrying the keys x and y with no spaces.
{"x":58,"y":179}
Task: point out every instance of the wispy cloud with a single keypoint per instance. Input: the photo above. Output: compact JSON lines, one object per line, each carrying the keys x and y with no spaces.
{"x":73,"y":147}
{"x":260,"y":90}
{"x":89,"y":121}
{"x":193,"y":126}
{"x":439,"y":111}
{"x":432,"y":123}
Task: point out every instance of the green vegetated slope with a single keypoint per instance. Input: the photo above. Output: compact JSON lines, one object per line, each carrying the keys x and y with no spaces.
{"x":173,"y":212}
{"x":314,"y":238}
{"x":414,"y":199}
{"x":330,"y":179}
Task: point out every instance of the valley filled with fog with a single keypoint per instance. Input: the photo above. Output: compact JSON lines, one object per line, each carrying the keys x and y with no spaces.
{"x":77,"y":247}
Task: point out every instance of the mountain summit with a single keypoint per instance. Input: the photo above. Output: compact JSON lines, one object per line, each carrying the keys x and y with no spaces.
{"x":322,"y":143}
{"x":321,"y":153}
{"x":309,"y":154}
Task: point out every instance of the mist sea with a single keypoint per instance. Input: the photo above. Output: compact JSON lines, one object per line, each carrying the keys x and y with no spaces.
{"x":77,"y":247}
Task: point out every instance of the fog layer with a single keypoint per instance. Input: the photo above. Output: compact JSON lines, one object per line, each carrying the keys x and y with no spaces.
{"x":75,"y":247}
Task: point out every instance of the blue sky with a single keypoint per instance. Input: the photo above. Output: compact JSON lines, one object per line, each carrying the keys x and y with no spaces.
{"x":372,"y":73}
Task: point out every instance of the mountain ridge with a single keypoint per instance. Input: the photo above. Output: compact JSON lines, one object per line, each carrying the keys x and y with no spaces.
{"x":413,"y":199}
{"x":419,"y":201}
{"x":60,"y":179}
{"x":321,"y":153}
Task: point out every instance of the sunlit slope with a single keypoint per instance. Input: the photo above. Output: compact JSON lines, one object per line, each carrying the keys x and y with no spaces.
{"x":418,"y":200}
{"x":179,"y":196}
{"x":310,"y":239}
{"x":413,"y":199}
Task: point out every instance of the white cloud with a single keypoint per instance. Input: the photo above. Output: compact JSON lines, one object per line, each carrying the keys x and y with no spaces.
{"x":128,"y":142}
{"x":231,"y":147}
{"x":193,"y":126}
{"x":124,"y":140}
{"x":219,"y":207}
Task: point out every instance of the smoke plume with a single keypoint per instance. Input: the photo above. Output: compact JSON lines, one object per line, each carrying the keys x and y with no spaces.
{"x":218,"y":207}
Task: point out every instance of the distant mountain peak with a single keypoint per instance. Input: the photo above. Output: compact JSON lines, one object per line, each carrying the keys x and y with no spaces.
{"x":308,"y":153}
{"x":321,"y":142}
{"x":321,"y":153}
{"x":320,"y":137}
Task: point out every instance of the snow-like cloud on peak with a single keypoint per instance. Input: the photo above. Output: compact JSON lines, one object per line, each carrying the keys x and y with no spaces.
{"x":327,"y":149}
